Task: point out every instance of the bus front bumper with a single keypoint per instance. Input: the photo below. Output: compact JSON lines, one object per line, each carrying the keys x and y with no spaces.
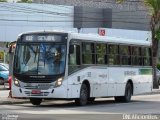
{"x":59,"y":92}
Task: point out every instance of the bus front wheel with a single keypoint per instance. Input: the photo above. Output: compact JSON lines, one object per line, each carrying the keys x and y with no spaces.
{"x":35,"y":101}
{"x":84,"y":93}
{"x":91,"y":99}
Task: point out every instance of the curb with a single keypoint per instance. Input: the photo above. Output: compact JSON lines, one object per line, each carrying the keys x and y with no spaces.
{"x":152,"y":93}
{"x":3,"y":88}
{"x":14,"y":101}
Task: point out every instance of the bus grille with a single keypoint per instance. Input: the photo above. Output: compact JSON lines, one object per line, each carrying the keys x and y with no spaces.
{"x":29,"y":93}
{"x":35,"y":87}
{"x":40,"y":87}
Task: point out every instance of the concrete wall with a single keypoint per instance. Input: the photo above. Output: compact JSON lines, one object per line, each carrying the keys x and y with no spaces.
{"x":132,"y":14}
{"x":127,"y":5}
{"x":86,"y":17}
{"x":133,"y":20}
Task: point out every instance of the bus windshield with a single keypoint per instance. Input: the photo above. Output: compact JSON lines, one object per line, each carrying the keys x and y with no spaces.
{"x":40,"y":59}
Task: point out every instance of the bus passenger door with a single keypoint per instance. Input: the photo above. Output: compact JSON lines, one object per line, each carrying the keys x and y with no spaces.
{"x":73,"y":68}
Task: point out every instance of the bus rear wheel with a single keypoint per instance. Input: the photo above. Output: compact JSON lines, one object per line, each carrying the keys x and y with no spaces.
{"x":128,"y":94}
{"x":35,"y":101}
{"x":84,"y":93}
{"x":91,"y":99}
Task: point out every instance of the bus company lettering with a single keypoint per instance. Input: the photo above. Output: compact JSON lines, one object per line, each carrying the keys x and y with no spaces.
{"x":89,"y":74}
{"x":47,"y":38}
{"x":129,"y":73}
{"x":37,"y":76}
{"x":103,"y":75}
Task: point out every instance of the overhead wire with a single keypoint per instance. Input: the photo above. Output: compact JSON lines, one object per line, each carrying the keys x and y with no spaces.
{"x":70,"y":21}
{"x":37,"y":10}
{"x":53,"y":13}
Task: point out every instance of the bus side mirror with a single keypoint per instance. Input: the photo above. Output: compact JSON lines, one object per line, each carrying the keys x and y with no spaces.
{"x":71,"y":49}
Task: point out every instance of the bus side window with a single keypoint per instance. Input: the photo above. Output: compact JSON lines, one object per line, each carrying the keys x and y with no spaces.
{"x":136,"y":58}
{"x":74,"y":58}
{"x":88,"y":53}
{"x":146,"y":56}
{"x":125,"y":54}
{"x":113,"y":55}
{"x":101,"y":57}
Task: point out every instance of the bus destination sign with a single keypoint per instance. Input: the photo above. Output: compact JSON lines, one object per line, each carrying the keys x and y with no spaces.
{"x":42,"y":38}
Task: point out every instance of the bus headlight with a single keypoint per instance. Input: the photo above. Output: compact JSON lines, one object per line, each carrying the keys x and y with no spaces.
{"x":59,"y":82}
{"x":16,"y":82}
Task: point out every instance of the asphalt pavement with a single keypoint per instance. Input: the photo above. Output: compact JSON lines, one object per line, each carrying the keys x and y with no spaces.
{"x":142,"y":107}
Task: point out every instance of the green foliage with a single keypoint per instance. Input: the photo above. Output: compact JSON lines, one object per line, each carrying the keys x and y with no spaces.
{"x":1,"y":55}
{"x":157,"y":34}
{"x":119,"y":1}
{"x":158,"y":66}
{"x":3,"y":0}
{"x":25,"y":1}
{"x":154,"y":5}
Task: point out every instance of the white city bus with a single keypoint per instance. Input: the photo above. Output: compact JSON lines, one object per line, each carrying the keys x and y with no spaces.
{"x":80,"y":67}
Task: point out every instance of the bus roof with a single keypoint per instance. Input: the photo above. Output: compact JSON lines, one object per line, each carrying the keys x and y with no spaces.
{"x":96,"y":37}
{"x":44,"y":31}
{"x":109,"y":39}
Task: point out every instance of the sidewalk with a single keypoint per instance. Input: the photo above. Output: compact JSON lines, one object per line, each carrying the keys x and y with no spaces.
{"x":6,"y":100}
{"x":155,"y":91}
{"x":2,"y":87}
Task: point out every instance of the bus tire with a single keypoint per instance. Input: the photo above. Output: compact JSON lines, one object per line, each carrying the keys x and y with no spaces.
{"x":35,"y":101}
{"x":91,"y":99}
{"x":83,"y":98}
{"x":118,"y":98}
{"x":128,"y":94}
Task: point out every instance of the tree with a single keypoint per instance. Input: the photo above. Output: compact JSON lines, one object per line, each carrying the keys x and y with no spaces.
{"x":154,"y":7}
{"x":25,"y":1}
{"x":3,"y":0}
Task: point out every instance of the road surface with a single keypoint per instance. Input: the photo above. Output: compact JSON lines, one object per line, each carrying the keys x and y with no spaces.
{"x":106,"y":109}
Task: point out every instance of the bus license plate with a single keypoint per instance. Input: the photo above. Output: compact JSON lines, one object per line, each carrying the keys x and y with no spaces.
{"x":36,"y":91}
